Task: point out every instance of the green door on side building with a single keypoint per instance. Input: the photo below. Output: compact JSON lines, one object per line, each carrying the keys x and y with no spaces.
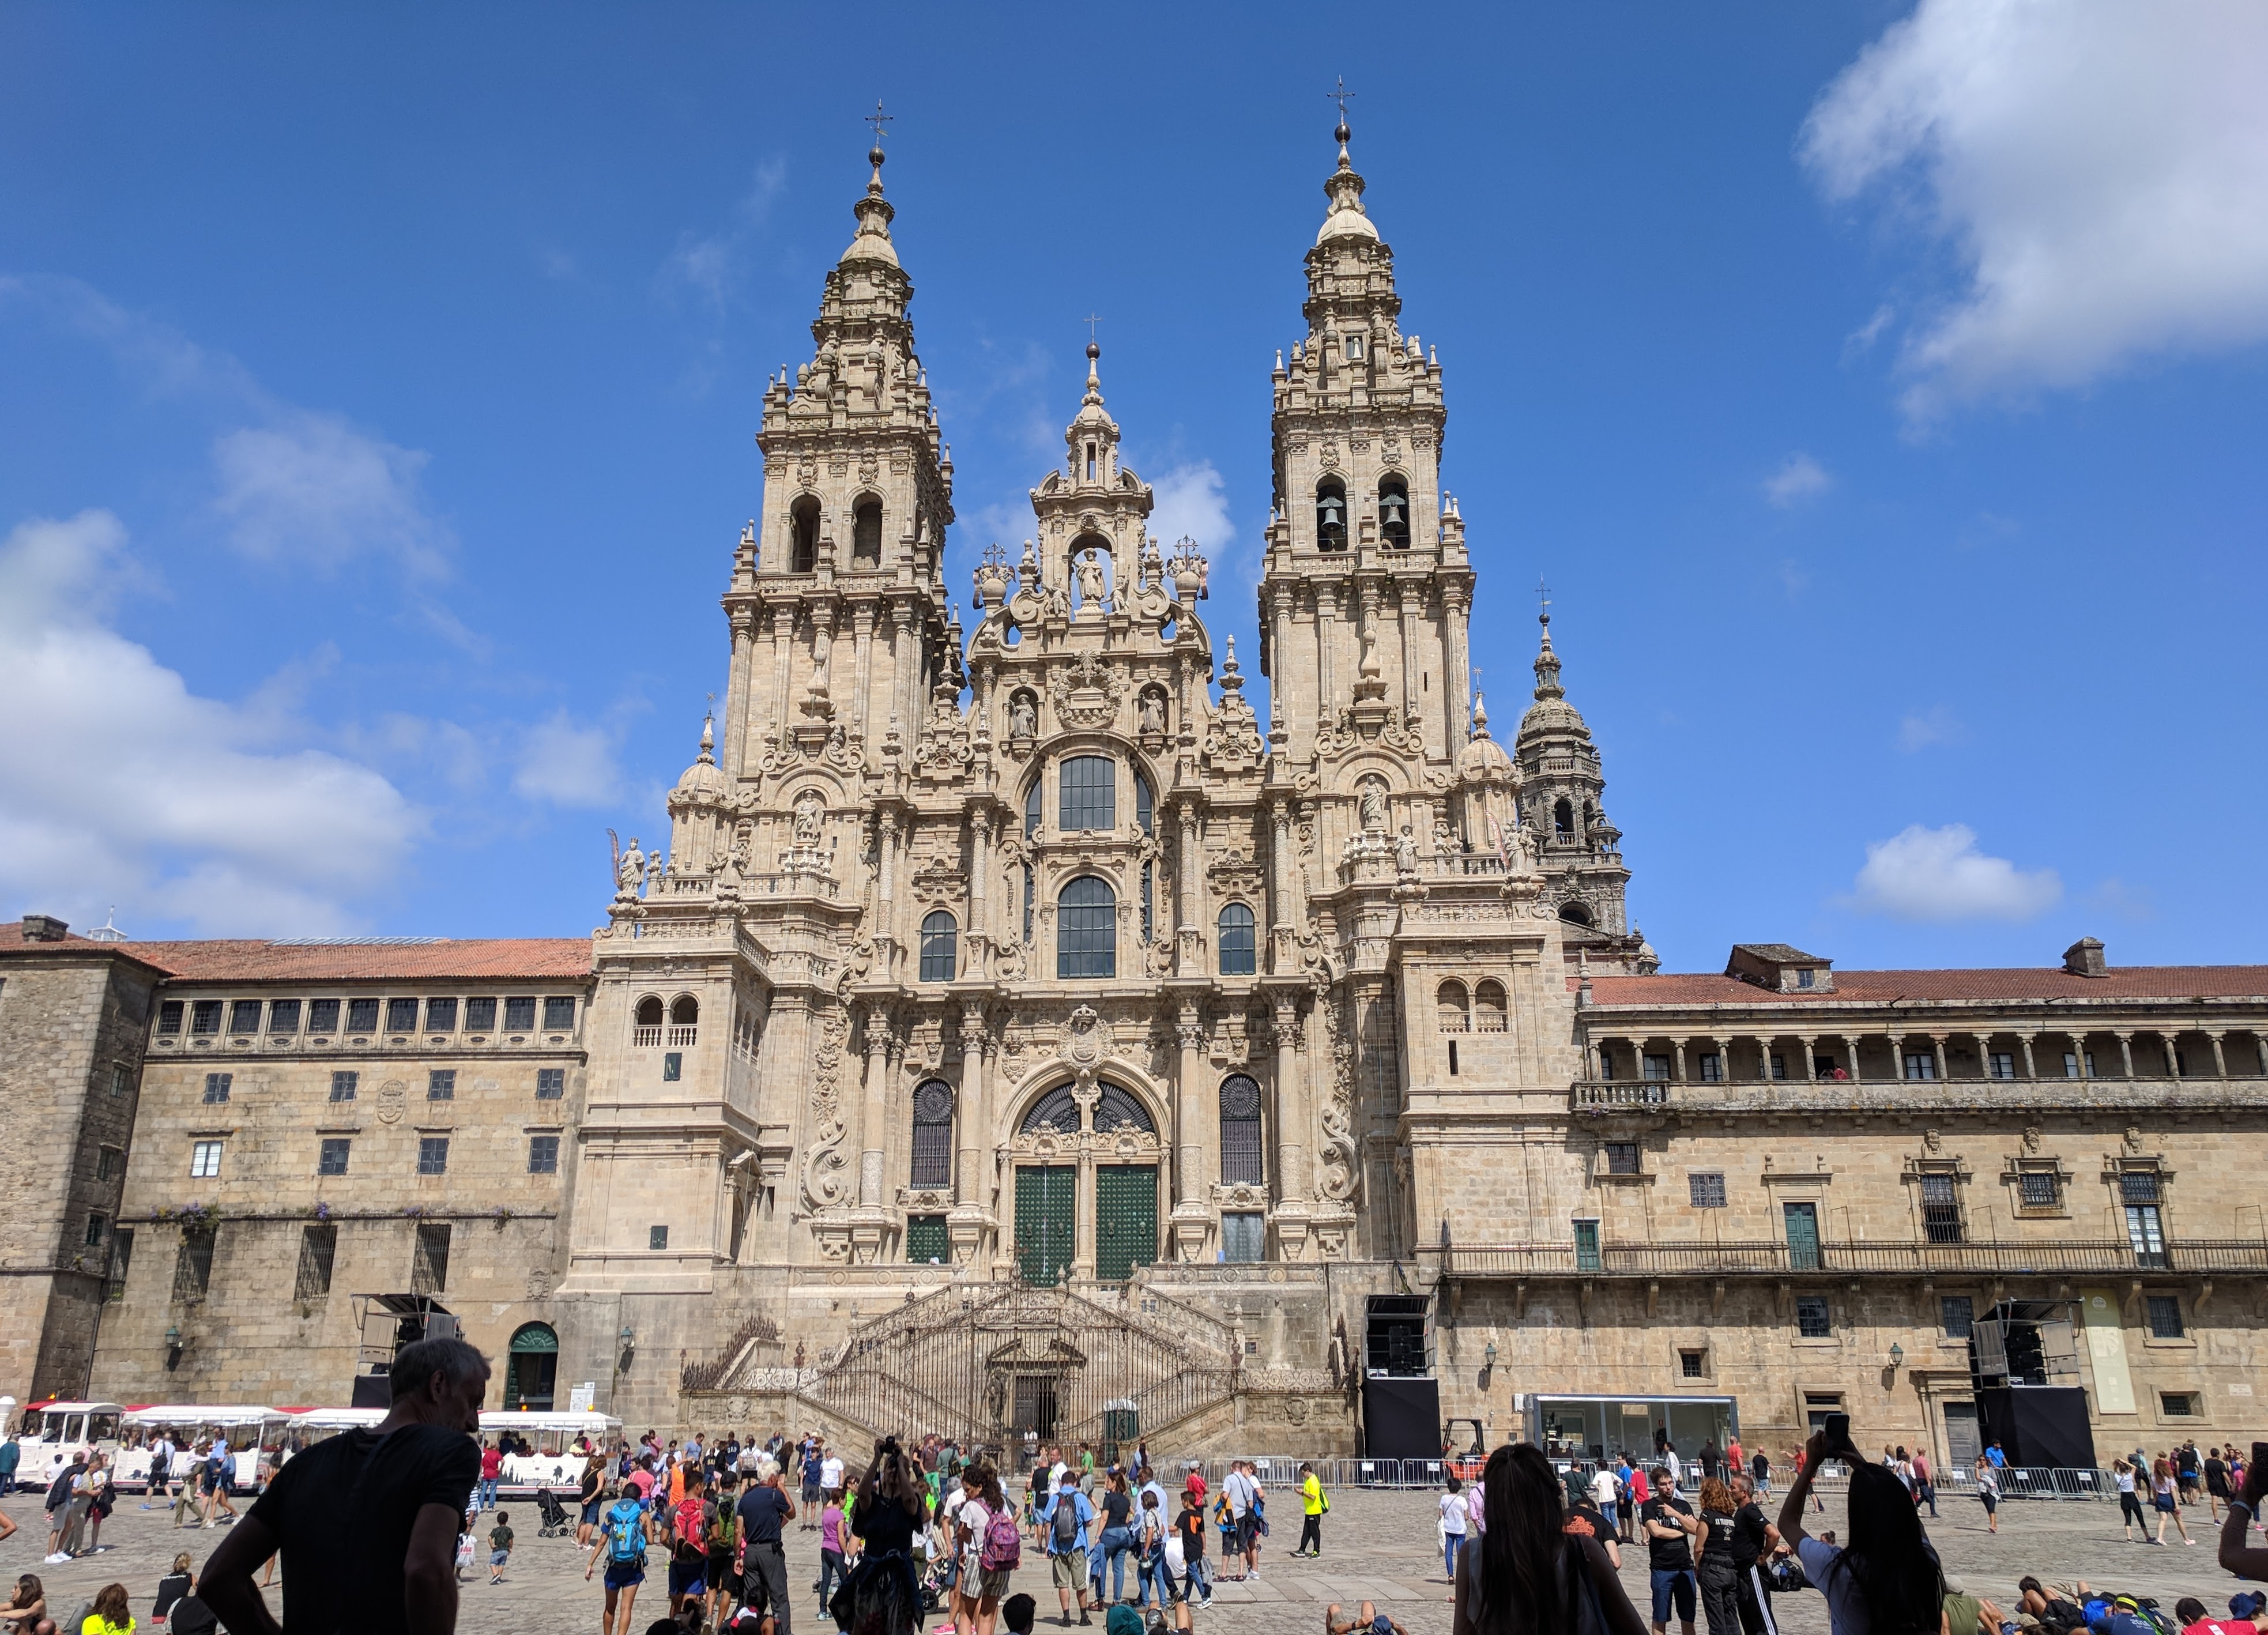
{"x":1047,"y":1220}
{"x":1125,"y":1220}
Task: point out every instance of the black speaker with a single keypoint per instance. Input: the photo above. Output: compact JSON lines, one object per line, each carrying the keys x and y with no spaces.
{"x":1402,"y":1417}
{"x":2039,"y":1425}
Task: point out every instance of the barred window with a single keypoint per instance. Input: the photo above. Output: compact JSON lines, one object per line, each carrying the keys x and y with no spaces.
{"x":400,"y":1016}
{"x":169,"y":1016}
{"x":243,"y":1016}
{"x":319,"y":1245}
{"x":343,"y":1085}
{"x":480,"y":1016}
{"x":94,"y":1229}
{"x":550,"y":1084}
{"x":432,"y":1155}
{"x":428,"y":1265}
{"x":283,"y":1017}
{"x":2039,"y":1189}
{"x":543,"y":1155}
{"x":1958,"y":1315}
{"x":361,"y":1016}
{"x":927,"y":1243}
{"x":559,"y":1013}
{"x":1940,"y":1208}
{"x":1622,"y":1157}
{"x":193,"y":1265}
{"x":1242,"y":1160}
{"x":205,"y":1016}
{"x":2165,"y":1317}
{"x":440,"y":1016}
{"x":520,"y":1015}
{"x":1706,"y":1188}
{"x":1811,"y":1317}
{"x":333,"y":1158}
{"x":933,"y":1163}
{"x":1088,"y":794}
{"x":2138,"y":1186}
{"x":322,"y":1016}
{"x":108,"y":1161}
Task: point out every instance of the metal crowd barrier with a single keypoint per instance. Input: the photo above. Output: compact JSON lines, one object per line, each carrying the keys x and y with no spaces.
{"x":1282,"y":1471}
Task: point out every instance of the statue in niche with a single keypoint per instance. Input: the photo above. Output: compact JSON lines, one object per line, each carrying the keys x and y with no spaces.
{"x":1023,"y":716}
{"x":1094,"y":584}
{"x":1405,"y":851}
{"x":809,"y":812}
{"x":1153,"y":711}
{"x":1373,"y":808}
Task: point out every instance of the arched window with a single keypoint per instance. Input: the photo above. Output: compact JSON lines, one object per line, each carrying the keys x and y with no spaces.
{"x":649,"y":1012}
{"x":1089,"y":794}
{"x":932,"y":1134}
{"x":941,"y":947}
{"x":1354,"y":349}
{"x":532,"y":1376}
{"x":866,"y":533}
{"x":1087,"y":929}
{"x":1563,"y":818}
{"x":1058,"y":1110}
{"x":1330,"y":515}
{"x":804,"y":553}
{"x":1239,"y":950}
{"x":1575,"y":914}
{"x":1241,"y":1162}
{"x":1119,"y":1105}
{"x":1394,"y":512}
{"x":686,"y":1010}
{"x":1488,"y":1007}
{"x":1451,"y":1002}
{"x":1145,"y":806}
{"x":1032,"y":809}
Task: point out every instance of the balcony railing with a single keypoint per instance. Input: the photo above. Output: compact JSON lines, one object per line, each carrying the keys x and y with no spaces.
{"x":645,"y":1037}
{"x":682,"y":1033}
{"x":1768,"y":1258}
{"x":1624,"y":1093}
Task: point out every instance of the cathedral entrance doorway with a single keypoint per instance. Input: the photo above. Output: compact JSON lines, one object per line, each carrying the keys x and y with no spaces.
{"x":1047,"y":1220}
{"x":1125,"y":1220}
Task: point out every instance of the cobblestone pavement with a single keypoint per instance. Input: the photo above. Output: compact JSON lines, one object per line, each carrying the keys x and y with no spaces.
{"x":1378,"y":1546}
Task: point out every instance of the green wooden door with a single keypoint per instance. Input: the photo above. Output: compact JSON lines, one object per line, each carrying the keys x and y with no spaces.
{"x":1802,"y":1236}
{"x":1047,"y":1220}
{"x":1125,"y":1218}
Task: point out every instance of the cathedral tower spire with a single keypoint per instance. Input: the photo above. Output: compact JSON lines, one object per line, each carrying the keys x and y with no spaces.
{"x":837,"y":601}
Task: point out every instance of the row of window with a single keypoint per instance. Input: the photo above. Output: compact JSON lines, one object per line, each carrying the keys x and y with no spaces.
{"x":1087,"y":940}
{"x":335,"y":1151}
{"x":319,"y":1245}
{"x":1486,"y":1011}
{"x":440,"y":1084}
{"x":205,"y":1017}
{"x":1919,"y":1066}
{"x":866,"y":533}
{"x":1242,"y":1154}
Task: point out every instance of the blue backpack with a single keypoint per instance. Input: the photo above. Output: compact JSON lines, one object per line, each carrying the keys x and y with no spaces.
{"x":625,"y":1535}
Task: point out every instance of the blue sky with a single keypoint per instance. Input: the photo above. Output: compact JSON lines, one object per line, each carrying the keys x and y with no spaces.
{"x":1873,"y":385}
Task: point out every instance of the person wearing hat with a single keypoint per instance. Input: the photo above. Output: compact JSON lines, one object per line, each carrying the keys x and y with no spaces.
{"x":2189,"y":1612}
{"x":1960,"y":1606}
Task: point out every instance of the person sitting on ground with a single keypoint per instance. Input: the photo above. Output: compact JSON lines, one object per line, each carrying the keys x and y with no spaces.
{"x":1526,"y":1575}
{"x":27,"y":1609}
{"x":2190,"y":1614}
{"x":171,"y":1587}
{"x":1017,"y":1612}
{"x":111,"y":1614}
{"x":1888,"y":1579}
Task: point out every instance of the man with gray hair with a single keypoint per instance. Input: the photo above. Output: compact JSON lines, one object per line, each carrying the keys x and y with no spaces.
{"x":367,"y":1519}
{"x":764,"y":1511}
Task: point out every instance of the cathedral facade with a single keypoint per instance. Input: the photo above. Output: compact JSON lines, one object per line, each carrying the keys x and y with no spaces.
{"x":1015,"y":1028}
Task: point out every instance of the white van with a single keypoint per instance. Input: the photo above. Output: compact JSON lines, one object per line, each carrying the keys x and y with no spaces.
{"x":563,"y":1443}
{"x":253,"y":1433}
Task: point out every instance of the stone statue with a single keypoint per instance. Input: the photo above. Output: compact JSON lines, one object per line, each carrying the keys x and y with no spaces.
{"x":809,"y":812}
{"x":1373,"y":808}
{"x":1094,"y":584}
{"x":1023,"y":718}
{"x":1057,"y":602}
{"x":630,"y":869}
{"x":1405,"y":851}
{"x":1154,"y":712}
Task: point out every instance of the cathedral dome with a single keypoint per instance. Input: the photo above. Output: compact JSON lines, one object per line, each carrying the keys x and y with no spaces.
{"x":702,"y":779}
{"x":1346,"y":219}
{"x":1483,"y":759}
{"x":1552,"y":715}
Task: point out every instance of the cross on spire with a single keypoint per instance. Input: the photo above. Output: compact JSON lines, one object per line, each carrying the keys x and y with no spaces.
{"x":1543,"y":599}
{"x":1340,"y":95}
{"x":878,"y":119}
{"x":1091,"y":319}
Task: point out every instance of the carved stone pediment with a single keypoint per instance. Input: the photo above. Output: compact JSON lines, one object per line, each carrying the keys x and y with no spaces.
{"x":1087,"y":691}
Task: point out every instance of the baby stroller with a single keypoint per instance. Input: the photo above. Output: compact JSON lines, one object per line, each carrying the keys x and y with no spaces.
{"x":935,"y":1577}
{"x":557,"y":1522}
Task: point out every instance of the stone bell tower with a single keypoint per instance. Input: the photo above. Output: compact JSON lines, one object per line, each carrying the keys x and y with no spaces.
{"x":837,"y":601}
{"x":1364,"y":602}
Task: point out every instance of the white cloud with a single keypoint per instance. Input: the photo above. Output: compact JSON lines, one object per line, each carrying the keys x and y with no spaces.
{"x":1922,"y":728}
{"x":1939,"y":874}
{"x":312,"y":489}
{"x":1192,"y":501}
{"x":2100,"y":169}
{"x":1799,"y":478}
{"x":1863,"y":338}
{"x":709,"y":263}
{"x":568,"y":765}
{"x":118,"y":784}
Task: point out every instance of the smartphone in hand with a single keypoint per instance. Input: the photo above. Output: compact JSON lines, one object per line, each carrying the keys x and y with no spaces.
{"x":1838,"y":1435}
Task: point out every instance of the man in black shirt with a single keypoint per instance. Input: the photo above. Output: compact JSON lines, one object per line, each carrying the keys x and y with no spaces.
{"x":763,"y":1509}
{"x":1668,"y":1524}
{"x":1754,"y":1540}
{"x":367,"y":1520}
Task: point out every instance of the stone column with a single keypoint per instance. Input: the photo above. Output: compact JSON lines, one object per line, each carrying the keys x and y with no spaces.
{"x":783,"y":707}
{"x":2219,"y":1059}
{"x":1804,"y":1043}
{"x":1408,"y":602}
{"x":2173,"y":1060}
{"x":1459,"y":680}
{"x":1280,"y":923}
{"x":905,"y":674}
{"x":1851,"y":1049}
{"x":1083,"y":1208}
{"x":862,"y":649}
{"x":1291,"y":1114}
{"x":1188,"y":952}
{"x":1898,"y":1055}
{"x":1326,"y":620}
{"x":1677,"y":1060}
{"x":974,"y":1120}
{"x":2031,"y":1064}
{"x":738,"y":685}
{"x":873,"y":1111}
{"x":2125,"y":1053}
{"x":1937,"y":1049}
{"x":978,"y":961}
{"x":1189,"y":1110}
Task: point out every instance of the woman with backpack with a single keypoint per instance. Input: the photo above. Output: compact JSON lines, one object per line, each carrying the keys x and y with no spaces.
{"x":1312,"y":1506}
{"x":991,"y":1548}
{"x":622,"y":1541}
{"x":1525,"y":1575}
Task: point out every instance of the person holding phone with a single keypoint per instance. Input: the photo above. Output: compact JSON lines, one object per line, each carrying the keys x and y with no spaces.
{"x":1884,"y":1578}
{"x":2237,"y":1556}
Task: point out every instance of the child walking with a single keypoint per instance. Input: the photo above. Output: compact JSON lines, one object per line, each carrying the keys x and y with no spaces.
{"x":499,"y":1546}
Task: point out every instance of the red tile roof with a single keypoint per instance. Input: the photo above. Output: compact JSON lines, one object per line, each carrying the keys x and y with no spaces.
{"x":368,"y":961}
{"x":2131,"y":981}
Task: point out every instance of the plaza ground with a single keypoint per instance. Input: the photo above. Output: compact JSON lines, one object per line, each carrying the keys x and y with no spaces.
{"x":1378,"y":1546}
